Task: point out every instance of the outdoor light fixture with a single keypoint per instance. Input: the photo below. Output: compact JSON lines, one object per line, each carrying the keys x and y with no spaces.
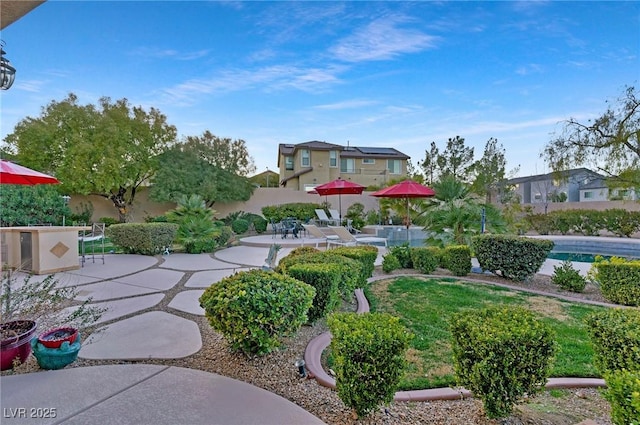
{"x":7,"y":72}
{"x":301,"y":369}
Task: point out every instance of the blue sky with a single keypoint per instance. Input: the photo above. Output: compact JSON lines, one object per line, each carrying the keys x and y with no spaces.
{"x":393,"y":74}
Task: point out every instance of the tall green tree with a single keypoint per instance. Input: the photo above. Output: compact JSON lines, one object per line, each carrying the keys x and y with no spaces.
{"x":107,"y":150}
{"x":609,"y":143}
{"x":490,"y":172}
{"x":429,"y":164}
{"x":184,"y":171}
{"x":230,"y":155}
{"x":22,"y":205}
{"x":456,"y":160}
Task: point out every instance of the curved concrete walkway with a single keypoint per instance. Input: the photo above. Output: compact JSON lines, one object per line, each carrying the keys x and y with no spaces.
{"x":129,"y":287}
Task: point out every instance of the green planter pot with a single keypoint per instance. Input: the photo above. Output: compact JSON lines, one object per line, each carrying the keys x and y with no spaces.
{"x":56,"y":358}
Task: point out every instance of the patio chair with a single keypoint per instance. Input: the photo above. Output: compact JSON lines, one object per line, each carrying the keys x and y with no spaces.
{"x":323,"y":219}
{"x":347,"y":239}
{"x":335,"y":215}
{"x":96,"y":237}
{"x":315,"y":231}
{"x":350,"y":227}
{"x":289,"y":225}
{"x":276,"y":228}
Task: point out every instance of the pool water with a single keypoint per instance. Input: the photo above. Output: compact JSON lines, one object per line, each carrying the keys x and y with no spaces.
{"x":574,"y":256}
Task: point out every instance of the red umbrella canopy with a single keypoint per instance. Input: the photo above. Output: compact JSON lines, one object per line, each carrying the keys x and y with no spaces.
{"x":11,"y":173}
{"x":405,"y":189}
{"x":338,"y":187}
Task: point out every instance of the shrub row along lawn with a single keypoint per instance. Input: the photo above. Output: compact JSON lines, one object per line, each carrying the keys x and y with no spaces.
{"x":426,"y":305}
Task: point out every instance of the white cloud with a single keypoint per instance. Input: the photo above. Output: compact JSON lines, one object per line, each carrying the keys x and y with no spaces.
{"x":382,"y":39}
{"x":157,"y":53}
{"x":347,"y":104}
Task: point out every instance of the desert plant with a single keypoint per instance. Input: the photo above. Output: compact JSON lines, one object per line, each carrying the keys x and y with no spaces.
{"x":46,"y":303}
{"x":568,"y":278}
{"x":197,"y":230}
{"x":254,"y":309}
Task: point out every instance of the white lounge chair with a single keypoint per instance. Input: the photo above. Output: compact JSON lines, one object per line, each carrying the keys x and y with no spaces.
{"x":323,"y":219}
{"x":347,"y":239}
{"x":315,"y":231}
{"x":336,"y":216}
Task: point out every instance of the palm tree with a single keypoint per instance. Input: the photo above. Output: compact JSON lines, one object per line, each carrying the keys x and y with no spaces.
{"x":454,"y":215}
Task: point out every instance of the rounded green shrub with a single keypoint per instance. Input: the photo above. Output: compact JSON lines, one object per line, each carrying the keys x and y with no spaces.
{"x":619,"y":280}
{"x":240,"y":226}
{"x":369,"y":358}
{"x":226,"y":233}
{"x":403,"y":254}
{"x":424,"y":260}
{"x":390,"y":263}
{"x":325,"y":279}
{"x":615,"y":337}
{"x":501,"y":354}
{"x":516,"y":258}
{"x":623,"y":393}
{"x":254,"y":309}
{"x":565,"y":276}
{"x":458,"y":259}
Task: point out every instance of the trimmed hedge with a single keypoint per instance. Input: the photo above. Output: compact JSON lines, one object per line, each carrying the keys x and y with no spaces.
{"x":619,"y":279}
{"x":500,"y":354}
{"x":615,"y":336}
{"x":424,"y":259}
{"x":516,"y":258}
{"x":351,"y":269}
{"x":142,"y":238}
{"x":300,"y":211}
{"x":325,"y":278}
{"x":623,"y":393}
{"x":390,"y":263}
{"x":458,"y":259}
{"x":254,"y":309}
{"x":369,"y":358}
{"x":403,"y":254}
{"x":618,"y":221}
{"x":366,"y":255}
{"x":240,"y":226}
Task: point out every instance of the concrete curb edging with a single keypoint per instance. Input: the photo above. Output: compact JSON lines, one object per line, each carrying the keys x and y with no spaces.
{"x":313,"y":361}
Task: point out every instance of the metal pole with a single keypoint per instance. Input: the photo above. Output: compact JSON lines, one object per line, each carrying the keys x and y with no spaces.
{"x":483,"y":220}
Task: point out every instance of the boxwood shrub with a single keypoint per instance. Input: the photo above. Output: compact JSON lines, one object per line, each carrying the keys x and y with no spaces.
{"x":142,"y":238}
{"x":619,"y":279}
{"x":403,"y":254}
{"x":325,"y":278}
{"x":500,"y":354}
{"x":390,"y":263}
{"x":516,"y":258}
{"x":254,"y":309}
{"x":458,"y":259}
{"x":369,"y":357}
{"x":351,"y":270}
{"x":615,"y":337}
{"x":424,"y":260}
{"x":623,"y":393}
{"x":565,"y":276}
{"x":366,"y":255}
{"x":240,"y":226}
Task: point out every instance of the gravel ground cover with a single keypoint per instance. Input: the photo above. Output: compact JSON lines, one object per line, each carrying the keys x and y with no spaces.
{"x":276,"y":372}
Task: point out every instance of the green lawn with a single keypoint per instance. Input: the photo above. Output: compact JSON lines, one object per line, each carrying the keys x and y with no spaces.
{"x":425,"y":306}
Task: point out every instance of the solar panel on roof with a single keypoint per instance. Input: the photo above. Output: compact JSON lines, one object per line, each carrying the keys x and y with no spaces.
{"x":377,"y":151}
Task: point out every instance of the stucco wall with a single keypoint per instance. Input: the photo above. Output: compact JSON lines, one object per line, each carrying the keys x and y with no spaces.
{"x":263,"y":196}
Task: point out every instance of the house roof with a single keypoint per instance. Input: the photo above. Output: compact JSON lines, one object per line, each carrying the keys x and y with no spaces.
{"x":568,"y":174}
{"x":345,"y":151}
{"x":284,"y":181}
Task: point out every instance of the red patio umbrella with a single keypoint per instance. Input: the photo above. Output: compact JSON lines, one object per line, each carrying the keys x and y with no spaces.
{"x":11,"y":173}
{"x":339,"y":187}
{"x":405,"y":189}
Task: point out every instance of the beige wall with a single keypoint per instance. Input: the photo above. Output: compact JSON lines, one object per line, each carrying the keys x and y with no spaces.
{"x":596,"y":205}
{"x":261,"y":197}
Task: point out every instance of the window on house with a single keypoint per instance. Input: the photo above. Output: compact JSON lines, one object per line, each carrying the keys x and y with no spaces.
{"x":347,"y":165}
{"x":288,"y":163}
{"x":333,"y":159}
{"x":623,"y":192}
{"x":368,"y":161}
{"x":588,"y":195}
{"x":537,"y":196}
{"x":393,"y":165}
{"x":305,"y":160}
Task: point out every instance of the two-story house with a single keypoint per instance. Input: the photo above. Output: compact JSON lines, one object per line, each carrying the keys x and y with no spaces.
{"x":554,"y":187}
{"x":304,"y":166}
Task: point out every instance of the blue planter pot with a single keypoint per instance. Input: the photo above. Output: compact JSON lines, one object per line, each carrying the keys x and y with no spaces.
{"x":56,"y":358}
